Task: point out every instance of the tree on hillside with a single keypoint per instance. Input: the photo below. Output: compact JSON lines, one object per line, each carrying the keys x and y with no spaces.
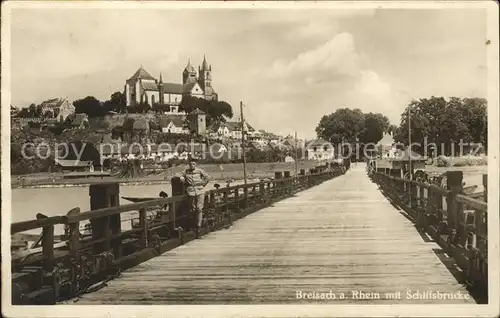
{"x":141,"y":108}
{"x":117,"y":103}
{"x":90,"y":106}
{"x":219,"y":109}
{"x":33,"y":111}
{"x":215,"y":110}
{"x":25,"y":113}
{"x":343,"y":125}
{"x":189,"y":103}
{"x":128,"y":124}
{"x":157,"y":107}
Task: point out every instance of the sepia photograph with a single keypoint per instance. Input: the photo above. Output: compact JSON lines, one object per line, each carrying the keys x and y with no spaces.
{"x":250,"y":159}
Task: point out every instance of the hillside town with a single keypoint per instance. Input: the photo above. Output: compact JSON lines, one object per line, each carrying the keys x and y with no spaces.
{"x":148,"y":114}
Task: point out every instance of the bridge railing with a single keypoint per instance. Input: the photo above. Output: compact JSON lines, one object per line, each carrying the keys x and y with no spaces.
{"x":117,"y":237}
{"x":457,"y":222}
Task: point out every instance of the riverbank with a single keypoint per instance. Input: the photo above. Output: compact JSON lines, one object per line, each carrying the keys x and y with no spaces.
{"x":228,"y":172}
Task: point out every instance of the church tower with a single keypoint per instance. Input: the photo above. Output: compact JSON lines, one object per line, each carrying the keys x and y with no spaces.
{"x":205,"y":75}
{"x":189,"y":74}
{"x":160,"y":90}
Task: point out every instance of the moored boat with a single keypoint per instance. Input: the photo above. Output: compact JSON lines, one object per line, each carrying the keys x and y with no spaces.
{"x":136,"y":199}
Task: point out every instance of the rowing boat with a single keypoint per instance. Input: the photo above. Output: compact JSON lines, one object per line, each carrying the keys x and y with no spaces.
{"x":135,"y":199}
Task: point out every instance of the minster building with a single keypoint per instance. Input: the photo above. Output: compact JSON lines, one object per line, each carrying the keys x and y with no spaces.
{"x":144,"y":88}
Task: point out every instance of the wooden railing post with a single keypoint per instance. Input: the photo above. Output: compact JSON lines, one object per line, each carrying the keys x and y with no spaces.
{"x":237,"y":199}
{"x":213,"y":207}
{"x":172,"y":212}
{"x":251,"y":200}
{"x":48,"y":248}
{"x":105,"y":195}
{"x":485,"y":186}
{"x":143,"y":223}
{"x":182,"y":208}
{"x":74,"y":239}
{"x":225,"y":197}
{"x":421,"y":198}
{"x":287,"y":183}
{"x":413,"y":195}
{"x":262,"y":191}
{"x":454,"y":208}
{"x":245,"y":195}
{"x":278,"y":186}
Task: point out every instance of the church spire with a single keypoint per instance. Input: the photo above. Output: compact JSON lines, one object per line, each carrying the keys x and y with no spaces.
{"x":204,"y":65}
{"x":189,"y":73}
{"x":189,"y":67}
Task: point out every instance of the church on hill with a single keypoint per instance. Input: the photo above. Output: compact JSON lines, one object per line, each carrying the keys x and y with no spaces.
{"x":144,"y":88}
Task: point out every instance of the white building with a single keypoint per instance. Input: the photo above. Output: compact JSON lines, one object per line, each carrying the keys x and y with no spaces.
{"x":174,"y":125}
{"x":386,"y":146}
{"x":59,"y":108}
{"x":320,"y":149}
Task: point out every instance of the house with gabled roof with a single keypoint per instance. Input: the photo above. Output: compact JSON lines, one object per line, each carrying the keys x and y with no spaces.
{"x":173,"y":125}
{"x":229,"y":129}
{"x":14,"y":111}
{"x":59,"y":108}
{"x":218,"y":129}
{"x":320,"y":149}
{"x":386,"y":146}
{"x":79,"y":121}
{"x":142,"y":87}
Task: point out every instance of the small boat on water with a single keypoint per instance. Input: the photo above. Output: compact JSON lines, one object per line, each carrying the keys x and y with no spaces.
{"x":470,"y":189}
{"x":162,"y":195}
{"x":135,"y":199}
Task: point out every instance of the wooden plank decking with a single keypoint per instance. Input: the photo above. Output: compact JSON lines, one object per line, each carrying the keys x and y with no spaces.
{"x":341,"y":236}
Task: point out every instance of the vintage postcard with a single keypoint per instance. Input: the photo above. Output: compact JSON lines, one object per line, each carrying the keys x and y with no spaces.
{"x":250,"y":159}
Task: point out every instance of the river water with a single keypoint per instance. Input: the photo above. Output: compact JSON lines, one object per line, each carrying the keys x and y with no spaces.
{"x":26,"y":203}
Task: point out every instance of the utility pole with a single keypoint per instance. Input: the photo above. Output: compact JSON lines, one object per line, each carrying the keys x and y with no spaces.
{"x":296,"y":156}
{"x":243,"y":132}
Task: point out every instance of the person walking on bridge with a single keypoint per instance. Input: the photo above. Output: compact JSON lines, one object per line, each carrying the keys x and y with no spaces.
{"x":195,"y":179}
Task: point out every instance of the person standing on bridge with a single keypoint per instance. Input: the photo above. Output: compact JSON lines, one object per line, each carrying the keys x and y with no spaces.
{"x":195,"y":179}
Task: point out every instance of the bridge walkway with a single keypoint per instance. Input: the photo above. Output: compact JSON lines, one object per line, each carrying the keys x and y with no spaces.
{"x":341,"y":236}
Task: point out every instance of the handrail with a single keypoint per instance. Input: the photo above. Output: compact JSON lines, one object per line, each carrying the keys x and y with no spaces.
{"x":413,"y":182}
{"x":121,"y":208}
{"x":471,"y":202}
{"x":460,"y":227}
{"x":35,"y":224}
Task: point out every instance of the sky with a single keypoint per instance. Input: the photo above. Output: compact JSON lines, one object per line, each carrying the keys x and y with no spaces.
{"x":289,"y":67}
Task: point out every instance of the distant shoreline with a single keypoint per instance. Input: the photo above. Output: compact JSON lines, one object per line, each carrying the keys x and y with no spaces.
{"x":121,"y":182}
{"x":229,"y":172}
{"x":86,"y":184}
{"x":233,"y":175}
